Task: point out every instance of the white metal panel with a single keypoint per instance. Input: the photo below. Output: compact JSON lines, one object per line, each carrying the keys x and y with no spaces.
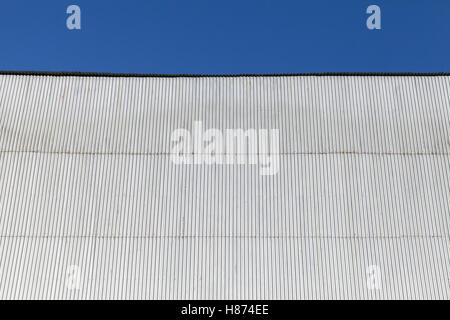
{"x":137,"y":115}
{"x":85,"y":180}
{"x":312,"y":195}
{"x":223,"y":268}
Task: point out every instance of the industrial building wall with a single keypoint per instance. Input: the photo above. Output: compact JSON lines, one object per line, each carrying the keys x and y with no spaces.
{"x":93,"y":207}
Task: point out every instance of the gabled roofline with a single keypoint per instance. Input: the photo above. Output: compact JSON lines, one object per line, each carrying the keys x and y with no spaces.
{"x":152,"y":75}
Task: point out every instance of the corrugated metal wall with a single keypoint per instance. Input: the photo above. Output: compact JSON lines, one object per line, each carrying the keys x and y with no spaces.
{"x":86,"y":180}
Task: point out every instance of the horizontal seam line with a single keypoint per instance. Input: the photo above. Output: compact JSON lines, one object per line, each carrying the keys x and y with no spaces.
{"x":223,"y":237}
{"x":223,"y":154}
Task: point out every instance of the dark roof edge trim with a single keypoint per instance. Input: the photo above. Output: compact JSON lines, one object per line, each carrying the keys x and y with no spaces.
{"x":146,"y":75}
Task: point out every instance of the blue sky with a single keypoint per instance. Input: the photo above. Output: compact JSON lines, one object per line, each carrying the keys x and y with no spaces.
{"x":226,"y":37}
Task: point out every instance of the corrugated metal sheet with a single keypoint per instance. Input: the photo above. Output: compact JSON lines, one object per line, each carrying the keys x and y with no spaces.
{"x":86,"y":181}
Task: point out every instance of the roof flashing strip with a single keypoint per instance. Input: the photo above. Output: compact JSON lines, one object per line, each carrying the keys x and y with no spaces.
{"x":151,"y":75}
